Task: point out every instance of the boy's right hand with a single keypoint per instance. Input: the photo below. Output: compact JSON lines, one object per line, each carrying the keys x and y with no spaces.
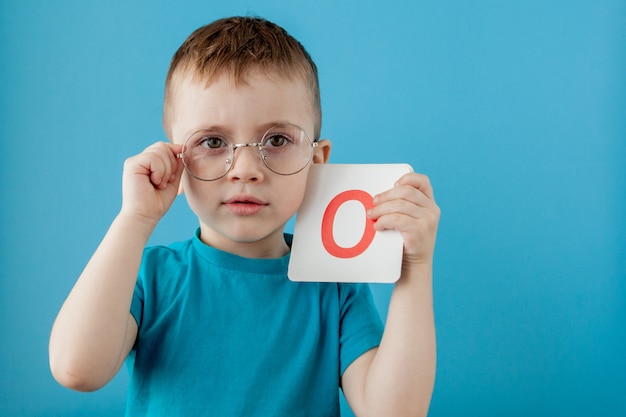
{"x":150,"y":182}
{"x":94,"y":330}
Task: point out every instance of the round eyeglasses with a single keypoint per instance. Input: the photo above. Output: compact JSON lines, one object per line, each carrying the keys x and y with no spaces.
{"x":285,"y":149}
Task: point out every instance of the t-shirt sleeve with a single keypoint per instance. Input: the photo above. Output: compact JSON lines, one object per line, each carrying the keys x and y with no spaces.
{"x":361,"y":328}
{"x":136,"y":305}
{"x":155,"y":260}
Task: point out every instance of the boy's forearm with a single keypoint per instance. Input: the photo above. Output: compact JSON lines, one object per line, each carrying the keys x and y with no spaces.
{"x":401,"y":377}
{"x":88,"y":338}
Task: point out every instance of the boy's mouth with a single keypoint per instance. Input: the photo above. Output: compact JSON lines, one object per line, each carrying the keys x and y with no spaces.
{"x":244,"y":205}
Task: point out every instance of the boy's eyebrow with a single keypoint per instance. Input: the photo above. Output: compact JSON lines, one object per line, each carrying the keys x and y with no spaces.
{"x":227,"y":131}
{"x":216,"y":128}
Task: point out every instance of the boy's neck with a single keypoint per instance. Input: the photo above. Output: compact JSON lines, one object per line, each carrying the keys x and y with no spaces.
{"x":272,"y":246}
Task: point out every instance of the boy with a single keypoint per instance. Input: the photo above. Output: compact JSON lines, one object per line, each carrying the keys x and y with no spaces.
{"x":213,"y":326}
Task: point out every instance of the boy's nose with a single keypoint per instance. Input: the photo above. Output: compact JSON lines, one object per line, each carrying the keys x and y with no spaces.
{"x":247,"y":165}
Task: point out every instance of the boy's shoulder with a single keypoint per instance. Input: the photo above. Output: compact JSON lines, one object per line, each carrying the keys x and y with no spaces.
{"x":178,"y":249}
{"x":170,"y":247}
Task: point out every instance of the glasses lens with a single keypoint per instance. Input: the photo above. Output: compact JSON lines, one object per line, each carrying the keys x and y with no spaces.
{"x":207,"y":155}
{"x":286,"y":149}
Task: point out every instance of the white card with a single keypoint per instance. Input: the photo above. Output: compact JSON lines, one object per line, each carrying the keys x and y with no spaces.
{"x":333,"y":239}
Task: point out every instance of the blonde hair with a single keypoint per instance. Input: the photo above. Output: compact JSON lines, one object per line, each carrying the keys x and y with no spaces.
{"x":236,"y":46}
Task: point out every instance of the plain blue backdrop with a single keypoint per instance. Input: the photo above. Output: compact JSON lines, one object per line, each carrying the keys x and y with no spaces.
{"x":515,"y":109}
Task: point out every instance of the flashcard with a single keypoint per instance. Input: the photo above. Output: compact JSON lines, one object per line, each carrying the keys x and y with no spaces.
{"x":334,"y":241}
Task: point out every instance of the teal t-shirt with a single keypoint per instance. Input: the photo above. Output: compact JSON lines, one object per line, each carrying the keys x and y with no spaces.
{"x":222,"y":335}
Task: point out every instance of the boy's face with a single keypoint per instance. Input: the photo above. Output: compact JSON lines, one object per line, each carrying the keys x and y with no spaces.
{"x":245,"y":211}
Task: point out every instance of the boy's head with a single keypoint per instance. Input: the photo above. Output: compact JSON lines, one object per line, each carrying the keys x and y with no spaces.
{"x":235,"y":47}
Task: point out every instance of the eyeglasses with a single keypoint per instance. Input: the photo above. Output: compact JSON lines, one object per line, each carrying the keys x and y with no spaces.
{"x":285,"y":149}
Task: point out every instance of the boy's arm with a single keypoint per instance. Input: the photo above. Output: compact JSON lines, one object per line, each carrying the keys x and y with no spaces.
{"x":94,"y":331}
{"x":397,"y":378}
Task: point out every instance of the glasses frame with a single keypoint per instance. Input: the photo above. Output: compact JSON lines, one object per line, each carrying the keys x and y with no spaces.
{"x":259,"y":145}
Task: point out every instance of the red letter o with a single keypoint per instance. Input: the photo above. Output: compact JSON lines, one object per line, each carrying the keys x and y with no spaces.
{"x":328,"y":220}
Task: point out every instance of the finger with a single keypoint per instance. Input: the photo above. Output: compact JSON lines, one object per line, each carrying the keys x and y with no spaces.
{"x":177,"y":163}
{"x":396,"y":214}
{"x":177,"y":174}
{"x":159,"y":171}
{"x":395,"y":208}
{"x":418,"y":181}
{"x":392,"y":221}
{"x":151,"y":164}
{"x":163,"y":165}
{"x":404,"y":192}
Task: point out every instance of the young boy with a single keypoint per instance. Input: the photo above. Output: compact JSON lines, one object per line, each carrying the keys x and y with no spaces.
{"x":213,"y":326}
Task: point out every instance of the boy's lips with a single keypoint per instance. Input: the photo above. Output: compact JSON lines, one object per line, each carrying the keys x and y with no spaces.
{"x":244,"y":205}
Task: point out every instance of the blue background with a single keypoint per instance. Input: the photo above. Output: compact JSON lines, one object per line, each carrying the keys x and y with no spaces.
{"x":516,"y":110}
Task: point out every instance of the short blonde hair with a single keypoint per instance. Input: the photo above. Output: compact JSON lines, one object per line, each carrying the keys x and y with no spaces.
{"x":237,"y":46}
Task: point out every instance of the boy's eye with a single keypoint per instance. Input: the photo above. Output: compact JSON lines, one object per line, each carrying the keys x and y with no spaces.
{"x":276,"y":140}
{"x":212,"y":142}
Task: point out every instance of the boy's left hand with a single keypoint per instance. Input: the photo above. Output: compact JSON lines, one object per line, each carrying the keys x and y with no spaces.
{"x":410,"y":208}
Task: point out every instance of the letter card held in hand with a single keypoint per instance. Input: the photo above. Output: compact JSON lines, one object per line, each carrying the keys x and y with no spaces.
{"x":334,"y":241}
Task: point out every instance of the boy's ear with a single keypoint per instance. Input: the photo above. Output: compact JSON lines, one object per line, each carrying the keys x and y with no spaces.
{"x":321,"y":153}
